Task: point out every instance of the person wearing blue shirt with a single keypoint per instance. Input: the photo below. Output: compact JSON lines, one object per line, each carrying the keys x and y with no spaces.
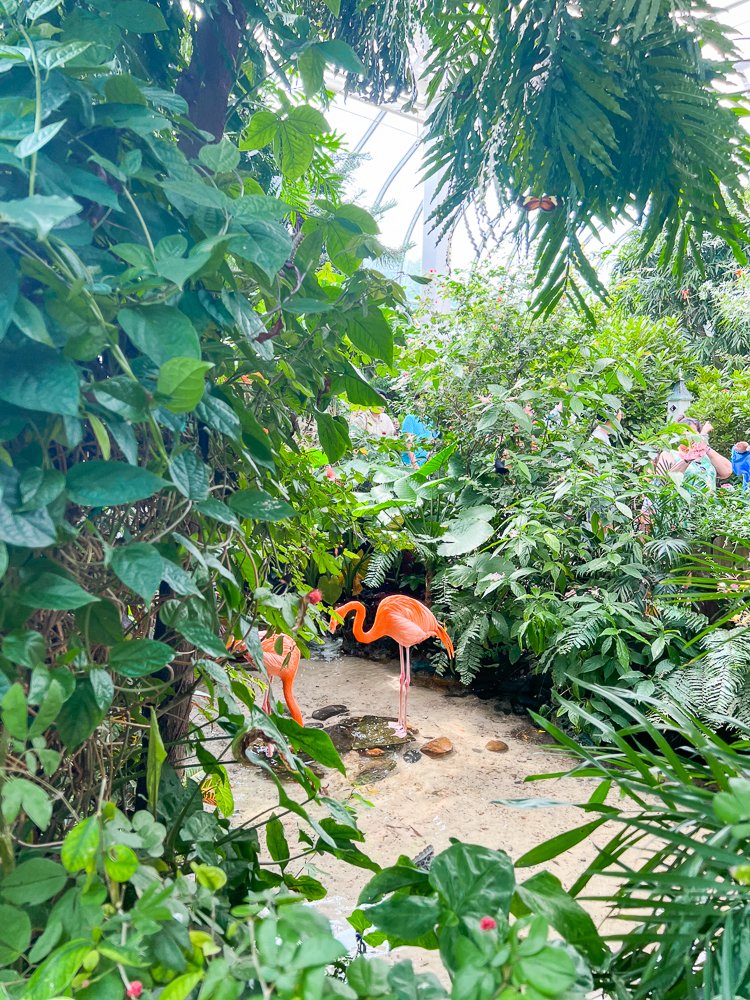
{"x":741,"y":462}
{"x":418,"y":435}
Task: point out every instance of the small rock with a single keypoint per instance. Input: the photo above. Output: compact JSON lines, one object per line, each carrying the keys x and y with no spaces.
{"x":370,"y":774}
{"x":412,"y":756}
{"x":424,"y":859}
{"x":313,"y":725}
{"x":438,"y":747}
{"x":497,"y":746}
{"x":374,"y":752}
{"x":322,"y":714}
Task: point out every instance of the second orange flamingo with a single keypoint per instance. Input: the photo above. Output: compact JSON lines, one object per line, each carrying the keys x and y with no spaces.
{"x":405,"y":620}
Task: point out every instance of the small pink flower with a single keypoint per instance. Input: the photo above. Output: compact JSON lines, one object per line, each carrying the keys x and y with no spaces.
{"x":432,"y":270}
{"x":135,"y":989}
{"x":330,"y":472}
{"x":487,"y":924}
{"x":315,"y":596}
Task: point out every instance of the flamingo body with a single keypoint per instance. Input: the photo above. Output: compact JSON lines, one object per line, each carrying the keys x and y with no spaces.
{"x":283,"y":665}
{"x":405,"y":620}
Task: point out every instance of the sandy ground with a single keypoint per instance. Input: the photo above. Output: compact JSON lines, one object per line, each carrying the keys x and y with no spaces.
{"x":428,"y":802}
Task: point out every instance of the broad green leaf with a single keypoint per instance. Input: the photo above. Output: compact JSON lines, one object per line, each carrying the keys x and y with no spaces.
{"x":103,"y":687}
{"x":80,"y":846}
{"x":139,"y":566}
{"x":41,"y":7}
{"x":181,"y":383}
{"x":260,"y":130}
{"x":140,"y":657}
{"x":190,"y":475}
{"x":107,"y":484}
{"x":217,"y":511}
{"x":21,"y":794}
{"x":391,"y":879}
{"x":30,"y":321}
{"x":464,"y":536}
{"x":60,"y":55}
{"x":56,"y":973}
{"x":544,"y":895}
{"x":80,"y":715}
{"x":39,"y":214}
{"x":221,"y":158}
{"x":160,"y":332}
{"x":120,"y":862}
{"x":33,"y":882}
{"x":100,"y":433}
{"x":551,"y":971}
{"x":314,"y":742}
{"x":202,"y":638}
{"x":48,"y":711}
{"x":257,"y":505}
{"x":472,"y":880}
{"x":14,"y":711}
{"x":54,"y":591}
{"x":181,"y":987}
{"x":154,"y":762}
{"x":266,"y":244}
{"x":370,"y":333}
{"x":4,"y":560}
{"x":100,"y":622}
{"x":38,"y":378}
{"x":138,"y":16}
{"x":334,"y":6}
{"x":333,"y":433}
{"x":39,"y":487}
{"x":34,"y":142}
{"x":27,"y":648}
{"x":276,"y":841}
{"x":16,"y":936}
{"x":369,"y":977}
{"x":405,"y":918}
{"x":123,"y":89}
{"x":32,"y":530}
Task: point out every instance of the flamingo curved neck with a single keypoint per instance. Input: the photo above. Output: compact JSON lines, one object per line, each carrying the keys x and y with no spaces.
{"x":360,"y":611}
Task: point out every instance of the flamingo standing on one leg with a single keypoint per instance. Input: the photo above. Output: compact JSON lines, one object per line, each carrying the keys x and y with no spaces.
{"x":283,"y":665}
{"x":407,"y":621}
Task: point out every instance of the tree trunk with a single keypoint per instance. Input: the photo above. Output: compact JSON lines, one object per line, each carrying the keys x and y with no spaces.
{"x":207,"y":82}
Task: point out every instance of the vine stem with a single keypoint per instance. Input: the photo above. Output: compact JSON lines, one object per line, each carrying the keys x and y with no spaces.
{"x":7,"y":854}
{"x":38,"y":98}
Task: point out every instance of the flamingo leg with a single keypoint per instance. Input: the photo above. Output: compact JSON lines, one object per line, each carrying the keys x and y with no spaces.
{"x":400,"y":725}
{"x":266,"y":706}
{"x":406,"y":685}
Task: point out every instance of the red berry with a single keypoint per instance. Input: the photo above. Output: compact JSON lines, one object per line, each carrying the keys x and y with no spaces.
{"x":487,"y":924}
{"x":315,"y":596}
{"x":135,"y":989}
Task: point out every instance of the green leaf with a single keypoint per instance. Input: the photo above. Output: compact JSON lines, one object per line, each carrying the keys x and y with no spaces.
{"x":334,"y":6}
{"x":217,"y":511}
{"x":60,"y":55}
{"x":369,"y":977}
{"x":100,"y":623}
{"x":260,"y":130}
{"x":9,"y":274}
{"x":544,"y":895}
{"x":181,"y":383}
{"x":20,"y":794}
{"x":472,"y":880}
{"x":138,"y":16}
{"x":80,"y":715}
{"x":34,"y":530}
{"x":100,"y":433}
{"x":139,"y":566}
{"x":14,"y":711}
{"x":56,"y":973}
{"x":122,"y":89}
{"x":107,"y":484}
{"x":266,"y":244}
{"x":34,"y":142}
{"x":154,"y":762}
{"x":257,"y":505}
{"x":140,"y":657}
{"x":48,"y":711}
{"x":16,"y":936}
{"x":276,"y":841}
{"x":370,"y":333}
{"x":103,"y":687}
{"x":161,"y":333}
{"x":558,"y":845}
{"x":333,"y":433}
{"x":80,"y":846}
{"x":464,"y":535}
{"x":221,"y":158}
{"x":391,"y":879}
{"x":41,"y":7}
{"x":315,"y":742}
{"x":120,"y":862}
{"x":181,"y":987}
{"x":405,"y":918}
{"x":202,"y":638}
{"x":551,"y":971}
{"x":53,"y":591}
{"x":30,"y":321}
{"x":27,"y":648}
{"x":39,"y":214}
{"x":4,"y":559}
{"x":190,"y":475}
{"x":33,"y":882}
{"x":37,"y":378}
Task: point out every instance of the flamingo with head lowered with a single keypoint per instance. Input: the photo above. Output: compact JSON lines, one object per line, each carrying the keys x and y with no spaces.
{"x":407,"y":621}
{"x":282,"y":664}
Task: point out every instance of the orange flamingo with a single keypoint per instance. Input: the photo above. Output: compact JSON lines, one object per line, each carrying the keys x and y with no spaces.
{"x":408,"y":622}
{"x":283,"y":665}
